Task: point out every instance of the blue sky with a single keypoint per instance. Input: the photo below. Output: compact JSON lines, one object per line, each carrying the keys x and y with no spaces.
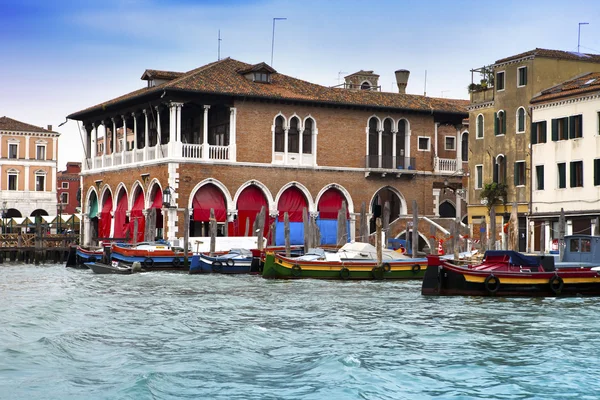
{"x":57,"y":57}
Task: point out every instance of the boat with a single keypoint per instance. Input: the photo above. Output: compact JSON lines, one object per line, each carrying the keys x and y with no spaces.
{"x":509,"y":273}
{"x":579,"y":251}
{"x":116,"y":268}
{"x":151,"y":255}
{"x":79,"y":255}
{"x":319,"y":264}
{"x":236,"y":261}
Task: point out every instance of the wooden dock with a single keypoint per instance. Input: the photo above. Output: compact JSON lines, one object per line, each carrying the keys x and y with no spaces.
{"x":32,"y":248}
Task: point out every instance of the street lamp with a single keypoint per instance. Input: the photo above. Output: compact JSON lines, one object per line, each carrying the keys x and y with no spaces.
{"x":59,"y":207}
{"x":167,"y":196}
{"x":4,"y":216}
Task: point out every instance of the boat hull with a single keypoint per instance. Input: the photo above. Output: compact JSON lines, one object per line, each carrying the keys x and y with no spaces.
{"x":448,"y":280}
{"x":151,"y":260}
{"x":79,"y":255}
{"x":203,"y":264}
{"x":279,"y":267}
{"x":99,"y":268}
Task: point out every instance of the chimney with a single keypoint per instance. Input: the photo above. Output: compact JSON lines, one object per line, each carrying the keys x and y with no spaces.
{"x":402,"y":79}
{"x":49,"y":127}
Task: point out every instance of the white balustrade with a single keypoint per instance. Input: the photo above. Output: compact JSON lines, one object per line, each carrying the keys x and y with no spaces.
{"x":118,"y":160}
{"x":191,"y":150}
{"x":127,"y":157}
{"x":139,"y":155}
{"x":445,"y":164}
{"x":218,"y":152}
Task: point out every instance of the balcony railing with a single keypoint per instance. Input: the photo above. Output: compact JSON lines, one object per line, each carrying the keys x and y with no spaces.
{"x":390,"y":162}
{"x":448,"y":165}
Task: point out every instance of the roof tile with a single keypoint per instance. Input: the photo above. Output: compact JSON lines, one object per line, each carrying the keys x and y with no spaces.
{"x":9,"y":124}
{"x":575,"y":86}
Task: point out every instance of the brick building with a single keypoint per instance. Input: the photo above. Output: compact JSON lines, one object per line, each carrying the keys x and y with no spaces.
{"x":68,"y":186}
{"x":235,"y":137}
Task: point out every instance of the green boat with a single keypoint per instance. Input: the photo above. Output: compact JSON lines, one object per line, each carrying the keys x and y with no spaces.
{"x":280,"y":267}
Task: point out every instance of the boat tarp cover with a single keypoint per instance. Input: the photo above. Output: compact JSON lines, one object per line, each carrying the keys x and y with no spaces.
{"x":330,"y":203}
{"x":293,"y":202}
{"x":121,"y":225}
{"x":207,"y":197}
{"x":328,"y":230}
{"x":515,"y":257}
{"x":296,"y":233}
{"x":105,"y":218}
{"x":136,"y":214}
{"x":249,"y":204}
{"x":93,"y":206}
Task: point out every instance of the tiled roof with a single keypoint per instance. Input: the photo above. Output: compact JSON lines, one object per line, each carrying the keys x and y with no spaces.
{"x":361,"y":72}
{"x":576,"y":86}
{"x":157,"y":74}
{"x":560,"y":54}
{"x":9,"y":124}
{"x":224,"y":78}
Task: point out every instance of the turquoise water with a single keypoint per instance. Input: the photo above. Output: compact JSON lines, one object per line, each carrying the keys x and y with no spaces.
{"x":70,"y":334}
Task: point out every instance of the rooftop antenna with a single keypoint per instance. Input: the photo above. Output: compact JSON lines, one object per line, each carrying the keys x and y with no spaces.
{"x":444,"y":91}
{"x":425,"y":88}
{"x":273,"y":37}
{"x":219,"y":46}
{"x":340,"y":73}
{"x":393,"y":83}
{"x":579,"y":33}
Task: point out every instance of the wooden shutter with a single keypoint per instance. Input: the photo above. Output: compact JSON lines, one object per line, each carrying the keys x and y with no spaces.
{"x":495,"y":123}
{"x":495,"y":171}
{"x":534,"y":133}
{"x":580,"y":126}
{"x":504,"y":123}
{"x":571,"y":127}
{"x":596,"y":172}
{"x":544,"y":130}
{"x":516,"y":177}
{"x":554,"y":130}
{"x":541,"y":177}
{"x":572,"y":174}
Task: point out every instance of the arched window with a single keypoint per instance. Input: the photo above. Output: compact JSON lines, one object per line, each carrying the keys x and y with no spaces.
{"x":365,"y":85}
{"x":387,"y":144}
{"x":307,"y":136}
{"x":294,"y":136}
{"x":279,"y":135}
{"x":465,"y":146}
{"x":480,"y":126}
{"x":373,"y":158}
{"x":500,"y":169}
{"x":520,"y":120}
{"x":401,"y":143}
{"x":500,"y":123}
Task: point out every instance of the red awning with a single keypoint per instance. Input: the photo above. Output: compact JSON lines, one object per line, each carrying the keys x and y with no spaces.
{"x":330,"y":204}
{"x":121,"y":225}
{"x":293,"y":202}
{"x":207,"y":197}
{"x":105,"y":217}
{"x":249,"y":204}
{"x":137,"y":214}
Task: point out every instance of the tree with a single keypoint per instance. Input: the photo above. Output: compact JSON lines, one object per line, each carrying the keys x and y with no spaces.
{"x":494,"y":193}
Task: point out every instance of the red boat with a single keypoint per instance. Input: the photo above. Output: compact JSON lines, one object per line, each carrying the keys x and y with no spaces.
{"x":511,"y":274}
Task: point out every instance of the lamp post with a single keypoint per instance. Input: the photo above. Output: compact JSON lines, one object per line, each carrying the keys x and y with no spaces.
{"x":4,"y":216}
{"x":59,"y":208}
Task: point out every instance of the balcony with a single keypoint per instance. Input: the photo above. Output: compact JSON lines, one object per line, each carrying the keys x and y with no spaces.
{"x":389,"y":164}
{"x":445,"y":165}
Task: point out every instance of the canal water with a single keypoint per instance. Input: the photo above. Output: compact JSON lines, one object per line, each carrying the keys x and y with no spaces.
{"x":70,"y":334}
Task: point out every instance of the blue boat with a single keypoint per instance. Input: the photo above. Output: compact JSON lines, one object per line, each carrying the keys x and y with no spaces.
{"x":237,"y":261}
{"x":151,"y":256}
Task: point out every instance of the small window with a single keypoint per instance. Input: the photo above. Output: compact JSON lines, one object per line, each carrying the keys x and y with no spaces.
{"x":40,"y":183}
{"x":450,"y":143}
{"x":500,"y":123}
{"x":365,"y":86}
{"x":574,"y":245}
{"x":576,"y":172}
{"x":12,"y":181}
{"x":279,"y":135}
{"x":65,"y":185}
{"x":261,"y":77}
{"x":64,"y":198}
{"x":539,"y":177}
{"x":538,"y":132}
{"x":40,"y":152}
{"x":520,"y":120}
{"x":586,"y":246}
{"x":478,"y":176}
{"x":480,"y":126}
{"x":560,"y":129}
{"x":13,"y":150}
{"x":423,"y":143}
{"x":597,"y":172}
{"x":521,"y":76}
{"x":520,"y":173}
{"x":500,"y":81}
{"x":562,"y":175}
{"x":575,"y":128}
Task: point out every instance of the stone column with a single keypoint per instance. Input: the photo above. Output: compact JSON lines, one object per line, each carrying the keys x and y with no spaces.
{"x":158,"y":130}
{"x":114,"y":140}
{"x":380,"y":147}
{"x":458,"y":148}
{"x":146,"y":134}
{"x":26,"y":181}
{"x":87,"y":239}
{"x":285,"y":145}
{"x":27,"y":140}
{"x":436,"y":139}
{"x":135,"y":133}
{"x":232,"y":134}
{"x":54,"y":149}
{"x":300,"y":145}
{"x":124,"y":141}
{"x":394,"y":160}
{"x":205,"y":133}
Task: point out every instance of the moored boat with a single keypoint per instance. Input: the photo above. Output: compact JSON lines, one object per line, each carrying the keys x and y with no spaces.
{"x":100,"y":268}
{"x":508,"y":273}
{"x":236,"y":261}
{"x":280,"y":267}
{"x":151,"y":255}
{"x":79,"y":255}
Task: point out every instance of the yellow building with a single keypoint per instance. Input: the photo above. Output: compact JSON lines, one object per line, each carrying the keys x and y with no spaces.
{"x":500,"y":145}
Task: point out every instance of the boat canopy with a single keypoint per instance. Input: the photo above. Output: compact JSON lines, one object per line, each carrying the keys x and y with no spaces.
{"x":511,"y":256}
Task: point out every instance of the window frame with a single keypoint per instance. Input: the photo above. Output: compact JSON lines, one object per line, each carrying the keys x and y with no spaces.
{"x":62,"y":185}
{"x":596,"y":171}
{"x":519,"y":85}
{"x":496,"y":82}
{"x":579,"y":178}
{"x":16,"y":175}
{"x":446,"y":143}
{"x":518,"y":182}
{"x":539,"y":133}
{"x":558,"y":165}
{"x":38,"y":174}
{"x":478,"y":177}
{"x":67,"y":197}
{"x":482,"y":126}
{"x":500,"y":125}
{"x":37,"y":147}
{"x":524,"y":120}
{"x":15,"y":143}
{"x":419,"y":143}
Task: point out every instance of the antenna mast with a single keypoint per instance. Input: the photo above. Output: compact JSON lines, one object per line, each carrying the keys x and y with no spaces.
{"x":425,"y":88}
{"x":219,"y":46}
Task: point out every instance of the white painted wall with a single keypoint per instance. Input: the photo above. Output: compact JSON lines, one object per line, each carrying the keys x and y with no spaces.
{"x":586,"y":149}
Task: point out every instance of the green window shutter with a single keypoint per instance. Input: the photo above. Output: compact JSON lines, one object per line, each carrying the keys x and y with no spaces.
{"x":534,"y":132}
{"x":495,"y":123}
{"x":572,"y":127}
{"x":525,"y":76}
{"x":554,"y":130}
{"x":504,"y":123}
{"x":541,"y":177}
{"x":580,"y":126}
{"x":544,"y":130}
{"x":516,"y":176}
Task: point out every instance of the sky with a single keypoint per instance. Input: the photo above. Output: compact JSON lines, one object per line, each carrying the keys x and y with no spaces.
{"x":58,"y":57}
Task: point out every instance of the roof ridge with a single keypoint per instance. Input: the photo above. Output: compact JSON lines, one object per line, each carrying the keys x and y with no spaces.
{"x":202,"y":68}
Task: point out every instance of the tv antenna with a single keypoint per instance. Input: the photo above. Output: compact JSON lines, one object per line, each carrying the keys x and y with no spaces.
{"x":579,"y":33}
{"x":219,"y":46}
